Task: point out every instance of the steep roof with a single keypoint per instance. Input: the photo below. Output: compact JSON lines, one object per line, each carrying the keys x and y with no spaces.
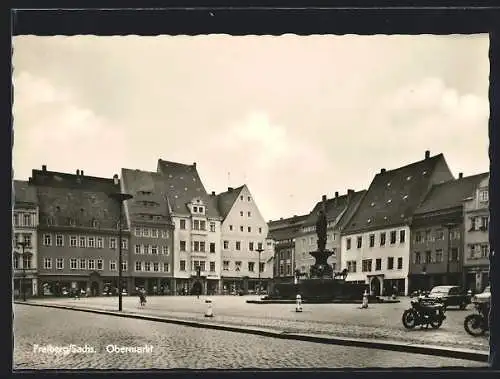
{"x":150,"y":197}
{"x":394,"y":195}
{"x":284,"y":229}
{"x":450,"y":194}
{"x":63,"y":197}
{"x":24,"y":194}
{"x":183,"y":184}
{"x":225,"y":200}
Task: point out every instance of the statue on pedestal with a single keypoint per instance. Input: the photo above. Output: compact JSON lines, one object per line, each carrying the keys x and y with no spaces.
{"x":321,"y":269}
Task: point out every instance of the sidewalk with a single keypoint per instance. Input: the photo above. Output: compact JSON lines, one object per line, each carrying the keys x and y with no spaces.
{"x":416,"y":341}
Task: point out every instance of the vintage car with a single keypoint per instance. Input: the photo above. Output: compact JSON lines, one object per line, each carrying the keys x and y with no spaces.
{"x":482,"y":297}
{"x":453,"y":296}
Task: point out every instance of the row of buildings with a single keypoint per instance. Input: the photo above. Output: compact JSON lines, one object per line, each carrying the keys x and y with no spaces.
{"x":414,"y":227}
{"x":176,"y":237}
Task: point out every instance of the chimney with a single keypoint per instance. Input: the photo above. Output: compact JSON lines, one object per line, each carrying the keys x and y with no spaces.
{"x":230,"y":189}
{"x":213,"y":193}
{"x":460,"y":175}
{"x":77,"y":172}
{"x":350,"y":193}
{"x":194,"y":164}
{"x":427,"y":154}
{"x":336,"y":194}
{"x":44,"y":168}
{"x":323,"y":198}
{"x":81,"y":173}
{"x":382,"y":170}
{"x":115,"y":179}
{"x":281,"y":218}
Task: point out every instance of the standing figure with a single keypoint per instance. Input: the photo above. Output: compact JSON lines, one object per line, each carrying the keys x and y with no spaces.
{"x":321,"y":225}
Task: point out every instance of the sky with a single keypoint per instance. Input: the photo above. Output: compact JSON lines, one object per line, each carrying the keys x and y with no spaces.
{"x":292,"y":117}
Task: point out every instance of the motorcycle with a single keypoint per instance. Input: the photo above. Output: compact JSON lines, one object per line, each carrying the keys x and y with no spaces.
{"x":424,"y":312}
{"x":477,"y":324}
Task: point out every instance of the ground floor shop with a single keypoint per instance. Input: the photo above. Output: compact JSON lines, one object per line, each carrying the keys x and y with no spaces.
{"x":83,"y":285}
{"x":195,"y":285}
{"x":234,"y":286}
{"x":477,"y":278}
{"x":25,"y":285}
{"x":425,"y":282}
{"x":153,"y":285}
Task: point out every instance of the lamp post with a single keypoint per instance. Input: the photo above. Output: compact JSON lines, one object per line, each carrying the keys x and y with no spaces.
{"x":449,"y":226}
{"x":120,"y":198}
{"x":424,"y":273}
{"x":23,"y":245}
{"x":259,"y":250}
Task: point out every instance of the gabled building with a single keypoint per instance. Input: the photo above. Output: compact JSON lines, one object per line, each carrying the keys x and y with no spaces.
{"x":243,"y":233}
{"x":376,"y":240}
{"x":197,"y":229}
{"x":282,"y":233}
{"x":338,"y":210}
{"x":151,"y":241}
{"x":78,"y":233}
{"x":476,"y":242}
{"x":437,"y":234}
{"x":25,"y":224}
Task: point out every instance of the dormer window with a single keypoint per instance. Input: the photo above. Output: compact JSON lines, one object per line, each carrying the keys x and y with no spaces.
{"x":72,"y":222}
{"x":389,"y":184}
{"x":372,"y":204}
{"x":405,"y":197}
{"x":195,"y":209}
{"x":95,"y":223}
{"x":200,"y":209}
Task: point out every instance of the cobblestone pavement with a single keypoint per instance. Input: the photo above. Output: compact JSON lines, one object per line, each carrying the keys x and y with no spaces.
{"x":176,"y":346}
{"x":381,"y":321}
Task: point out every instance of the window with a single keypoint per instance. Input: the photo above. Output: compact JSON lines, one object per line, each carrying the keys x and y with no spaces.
{"x":390,"y":263}
{"x":351,"y":266}
{"x":378,"y":264}
{"x":400,"y":263}
{"x":249,"y":198}
{"x":112,"y":243}
{"x":196,"y":224}
{"x":359,"y":242}
{"x":146,"y":249}
{"x":212,"y":247}
{"x":166,"y":267}
{"x":183,"y":245}
{"x":100,"y":264}
{"x":241,"y":197}
{"x":230,"y":227}
{"x":473,"y":223}
{"x":82,"y":242}
{"x":91,"y":264}
{"x":59,"y":263}
{"x":439,"y":255}
{"x":156,"y":266}
{"x":196,"y":246}
{"x":72,"y":241}
{"x":73,"y":263}
{"x":483,"y":196}
{"x":259,"y":245}
{"x":225,"y":265}
{"x":366,"y":265}
{"x":249,"y":214}
{"x":138,"y":266}
{"x":382,"y":239}
{"x":100,"y":242}
{"x":348,"y":244}
{"x":124,"y":265}
{"x":203,"y":225}
{"x":262,"y":266}
{"x":202,"y":266}
{"x":241,"y":213}
{"x":484,"y":223}
{"x":27,"y":220}
{"x":59,"y":240}
{"x":260,"y":230}
{"x":137,"y":249}
{"x":195,"y":209}
{"x":154,"y":250}
{"x":428,"y":257}
{"x":164,"y":250}
{"x":417,"y":257}
{"x":238,"y":265}
{"x":212,"y":226}
{"x":183,"y":224}
{"x":454,"y":254}
{"x":427,"y":235}
{"x":372,"y":240}
{"x":241,"y":228}
{"x":182,"y":265}
{"x":137,"y":232}
{"x":238,"y":245}
{"x":202,"y":246}
{"x":47,"y":240}
{"x":154,"y":233}
{"x":83,"y":264}
{"x":200,"y":209}
{"x":16,"y":219}
{"x":249,"y":229}
{"x":440,"y":234}
{"x":251,"y":266}
{"x":47,"y":263}
{"x":484,"y":251}
{"x":250,"y":246}
{"x":164,"y":234}
{"x":226,"y":245}
{"x":393,"y":237}
{"x":27,"y":262}
{"x":91,"y":242}
{"x":146,"y":232}
{"x":16,"y":261}
{"x":147,"y":266}
{"x":402,"y":236}
{"x":212,"y":266}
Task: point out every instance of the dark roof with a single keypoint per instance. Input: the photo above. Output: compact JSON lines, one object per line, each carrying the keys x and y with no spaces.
{"x":450,"y":194}
{"x":182,"y":185}
{"x":352,"y":207}
{"x":150,"y":198}
{"x":225,"y":200}
{"x":394,"y":195}
{"x":284,"y":229}
{"x":63,"y":197}
{"x":24,"y":194}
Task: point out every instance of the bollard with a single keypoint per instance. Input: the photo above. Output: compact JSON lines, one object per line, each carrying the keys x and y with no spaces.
{"x":298,"y":304}
{"x":209,"y":312}
{"x":365,"y":300}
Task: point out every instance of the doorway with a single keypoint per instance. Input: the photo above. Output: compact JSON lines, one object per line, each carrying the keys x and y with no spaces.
{"x":94,"y":289}
{"x":375,"y":286}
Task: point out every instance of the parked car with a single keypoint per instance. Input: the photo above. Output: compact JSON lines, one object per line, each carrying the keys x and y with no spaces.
{"x":482,"y":297}
{"x":450,"y":296}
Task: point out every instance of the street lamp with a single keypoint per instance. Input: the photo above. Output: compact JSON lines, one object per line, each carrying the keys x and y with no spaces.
{"x":424,"y":273}
{"x":120,"y":198}
{"x":23,"y":245}
{"x":259,"y":250}
{"x":449,"y":226}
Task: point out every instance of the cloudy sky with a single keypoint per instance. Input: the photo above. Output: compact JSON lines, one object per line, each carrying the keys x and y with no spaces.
{"x":293,"y":117}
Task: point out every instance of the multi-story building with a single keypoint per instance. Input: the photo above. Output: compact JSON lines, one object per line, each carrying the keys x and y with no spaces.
{"x":282,"y":234}
{"x":338,"y":210}
{"x":376,"y":240}
{"x":78,"y":233}
{"x":151,"y":239}
{"x":244,"y":232}
{"x":197,"y":229}
{"x":25,"y":223}
{"x":476,"y":243}
{"x":437,"y":234}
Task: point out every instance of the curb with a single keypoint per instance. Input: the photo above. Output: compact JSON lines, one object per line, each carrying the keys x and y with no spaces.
{"x":402,"y":347}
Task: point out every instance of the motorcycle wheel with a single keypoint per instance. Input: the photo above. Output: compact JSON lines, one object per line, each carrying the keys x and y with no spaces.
{"x":409,"y":319}
{"x":473,"y":325}
{"x":436,"y":323}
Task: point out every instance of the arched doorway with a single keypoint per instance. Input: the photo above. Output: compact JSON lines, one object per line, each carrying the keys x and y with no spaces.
{"x":375,"y":286}
{"x":196,"y":290}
